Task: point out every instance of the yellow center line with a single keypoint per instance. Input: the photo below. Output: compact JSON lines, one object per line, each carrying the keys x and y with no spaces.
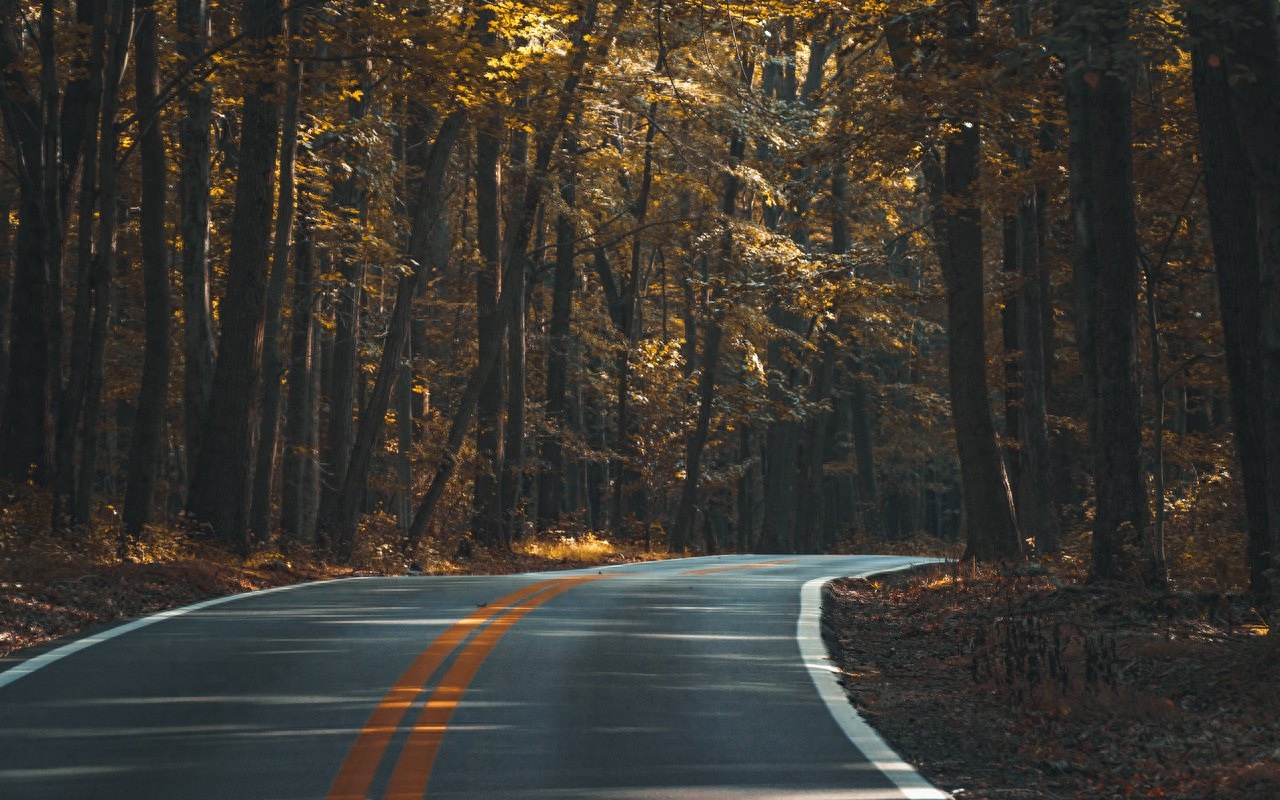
{"x":413,"y":769}
{"x":756,"y":565}
{"x":352,"y":782}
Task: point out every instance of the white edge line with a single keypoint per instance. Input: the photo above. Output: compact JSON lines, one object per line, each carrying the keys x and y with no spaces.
{"x":825,"y":678}
{"x":25,"y":668}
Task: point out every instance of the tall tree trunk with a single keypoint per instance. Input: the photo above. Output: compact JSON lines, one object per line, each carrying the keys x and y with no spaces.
{"x":551,"y":478}
{"x":25,"y":432}
{"x":748,"y":493}
{"x":1009,"y":339}
{"x":148,"y":432}
{"x":120,"y":28}
{"x":487,"y":522}
{"x":6,"y":289}
{"x":992,"y":531}
{"x":300,"y":439}
{"x":685,"y":513}
{"x":1105,"y":263}
{"x":220,"y":494}
{"x":1225,"y":109}
{"x":511,"y":491}
{"x":1036,"y":515}
{"x":72,"y":396}
{"x":193,"y":193}
{"x":341,"y":390}
{"x":813,"y":510}
{"x":273,"y":367}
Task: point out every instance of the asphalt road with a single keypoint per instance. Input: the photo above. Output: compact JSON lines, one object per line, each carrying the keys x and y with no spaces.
{"x":695,"y":678}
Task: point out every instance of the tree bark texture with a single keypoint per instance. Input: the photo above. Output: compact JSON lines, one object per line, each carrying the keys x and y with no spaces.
{"x":991,"y":529}
{"x":511,"y":490}
{"x":1232,"y":186}
{"x":25,"y":434}
{"x":273,"y":367}
{"x":301,"y":429}
{"x":193,"y":194}
{"x":220,"y":487}
{"x":1036,"y":513}
{"x":102,"y":274}
{"x":148,"y":432}
{"x":487,"y":522}
{"x":70,"y":406}
{"x":1105,"y":271}
{"x":551,"y":477}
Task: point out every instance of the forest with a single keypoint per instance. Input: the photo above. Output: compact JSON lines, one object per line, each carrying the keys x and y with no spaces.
{"x":375,"y":279}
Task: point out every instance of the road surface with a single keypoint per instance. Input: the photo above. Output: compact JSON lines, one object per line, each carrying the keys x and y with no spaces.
{"x":693,"y":679}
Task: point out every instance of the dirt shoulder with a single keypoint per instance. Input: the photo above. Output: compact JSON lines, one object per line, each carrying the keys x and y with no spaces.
{"x":1018,"y":687}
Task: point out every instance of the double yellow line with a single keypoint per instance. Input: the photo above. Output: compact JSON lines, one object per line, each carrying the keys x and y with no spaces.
{"x":754,"y":565}
{"x":413,"y":768}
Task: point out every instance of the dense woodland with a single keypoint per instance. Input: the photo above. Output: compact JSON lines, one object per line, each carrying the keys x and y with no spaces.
{"x":776,"y":276}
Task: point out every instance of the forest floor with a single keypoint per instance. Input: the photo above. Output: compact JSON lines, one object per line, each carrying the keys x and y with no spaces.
{"x":1033,"y":686}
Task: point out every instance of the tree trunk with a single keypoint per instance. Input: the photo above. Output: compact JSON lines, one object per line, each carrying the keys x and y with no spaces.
{"x":119,"y":29}
{"x":71,"y":400}
{"x":219,"y":494}
{"x":511,"y":491}
{"x":300,"y":441}
{"x":1232,"y":191}
{"x":748,"y":494}
{"x":148,"y":432}
{"x":713,"y":333}
{"x":6,"y":290}
{"x":193,"y":192}
{"x":487,"y":522}
{"x":273,"y":367}
{"x":1012,"y":364}
{"x":1036,"y":514}
{"x":551,"y":479}
{"x":341,"y":391}
{"x":25,"y":448}
{"x":992,"y":531}
{"x":1105,"y":262}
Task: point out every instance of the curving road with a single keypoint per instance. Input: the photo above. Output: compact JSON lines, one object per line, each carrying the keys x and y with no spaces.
{"x":693,"y":679}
